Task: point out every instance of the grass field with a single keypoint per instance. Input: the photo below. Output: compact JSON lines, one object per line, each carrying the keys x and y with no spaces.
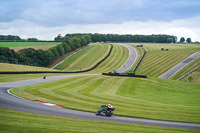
{"x":150,"y":98}
{"x":14,"y":121}
{"x":90,"y":56}
{"x":193,"y":77}
{"x":85,"y":59}
{"x":156,"y":62}
{"x":25,"y":44}
{"x":141,"y":98}
{"x":117,"y":58}
{"x":188,"y":68}
{"x":5,"y":67}
{"x":4,"y":78}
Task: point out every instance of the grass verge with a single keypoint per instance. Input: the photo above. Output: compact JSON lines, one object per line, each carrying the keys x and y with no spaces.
{"x":18,"y":77}
{"x":15,"y":121}
{"x":193,"y":77}
{"x":5,"y":67}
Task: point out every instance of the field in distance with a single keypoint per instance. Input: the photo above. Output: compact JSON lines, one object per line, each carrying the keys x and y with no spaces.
{"x":23,"y":45}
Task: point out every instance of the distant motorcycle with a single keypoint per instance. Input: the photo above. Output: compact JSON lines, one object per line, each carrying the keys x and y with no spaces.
{"x":105,"y":111}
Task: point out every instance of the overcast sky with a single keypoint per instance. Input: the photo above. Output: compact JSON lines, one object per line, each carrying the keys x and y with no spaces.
{"x":52,"y":17}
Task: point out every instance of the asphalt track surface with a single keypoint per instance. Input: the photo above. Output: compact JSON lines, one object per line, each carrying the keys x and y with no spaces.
{"x":179,"y":66}
{"x":11,"y":102}
{"x":131,"y":60}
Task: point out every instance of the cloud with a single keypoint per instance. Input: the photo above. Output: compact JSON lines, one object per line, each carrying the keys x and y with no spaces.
{"x":53,"y":17}
{"x":180,"y":28}
{"x":53,"y":13}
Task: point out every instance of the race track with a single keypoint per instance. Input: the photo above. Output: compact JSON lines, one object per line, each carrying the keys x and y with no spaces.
{"x":11,"y":102}
{"x":131,"y":59}
{"x":179,"y":66}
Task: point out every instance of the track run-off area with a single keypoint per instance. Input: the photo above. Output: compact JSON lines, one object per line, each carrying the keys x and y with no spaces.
{"x":73,"y":83}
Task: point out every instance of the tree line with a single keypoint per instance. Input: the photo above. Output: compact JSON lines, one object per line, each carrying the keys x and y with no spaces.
{"x":13,"y":38}
{"x":9,"y":38}
{"x":124,"y":38}
{"x":41,"y":57}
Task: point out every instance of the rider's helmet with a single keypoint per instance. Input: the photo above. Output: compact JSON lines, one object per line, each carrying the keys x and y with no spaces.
{"x":109,"y":105}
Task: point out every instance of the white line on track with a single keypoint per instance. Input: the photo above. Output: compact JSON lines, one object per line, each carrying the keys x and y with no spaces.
{"x":13,"y":94}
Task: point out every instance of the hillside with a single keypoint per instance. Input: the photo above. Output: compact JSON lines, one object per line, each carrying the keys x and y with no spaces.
{"x":156,"y":61}
{"x":90,"y":56}
{"x":134,"y":97}
{"x":14,"y":67}
{"x":85,"y":59}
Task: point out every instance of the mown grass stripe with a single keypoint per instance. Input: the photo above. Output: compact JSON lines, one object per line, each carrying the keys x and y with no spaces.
{"x":142,"y":98}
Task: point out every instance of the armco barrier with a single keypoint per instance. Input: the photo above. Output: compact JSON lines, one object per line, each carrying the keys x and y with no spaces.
{"x":139,"y":62}
{"x":32,"y":72}
{"x":125,"y":75}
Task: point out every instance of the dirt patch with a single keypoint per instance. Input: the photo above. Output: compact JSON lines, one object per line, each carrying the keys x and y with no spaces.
{"x":35,"y":47}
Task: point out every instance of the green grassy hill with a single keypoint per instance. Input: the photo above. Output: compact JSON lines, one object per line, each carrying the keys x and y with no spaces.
{"x":85,"y":59}
{"x":14,"y":67}
{"x":150,"y":98}
{"x":91,"y":56}
{"x":193,"y":77}
{"x":4,"y":67}
{"x":134,"y":97}
{"x":117,"y":58}
{"x":156,"y":62}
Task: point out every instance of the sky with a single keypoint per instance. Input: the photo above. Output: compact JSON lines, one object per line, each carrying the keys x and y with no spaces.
{"x":45,"y":19}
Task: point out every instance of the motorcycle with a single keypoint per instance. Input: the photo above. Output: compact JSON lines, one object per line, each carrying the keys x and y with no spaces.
{"x":105,"y":111}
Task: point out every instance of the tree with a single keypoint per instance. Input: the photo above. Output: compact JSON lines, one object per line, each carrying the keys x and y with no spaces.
{"x":60,"y":49}
{"x":182,"y":40}
{"x":54,"y":51}
{"x":59,"y":38}
{"x":32,"y":40}
{"x":9,"y":38}
{"x":170,"y":40}
{"x":77,"y":42}
{"x":88,"y":38}
{"x":66,"y":47}
{"x":83,"y":41}
{"x":188,"y":40}
{"x":71,"y":44}
{"x":7,"y":55}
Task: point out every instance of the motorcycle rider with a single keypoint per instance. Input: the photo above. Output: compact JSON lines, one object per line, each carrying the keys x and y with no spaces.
{"x":106,"y":107}
{"x":110,"y":106}
{"x":106,"y":110}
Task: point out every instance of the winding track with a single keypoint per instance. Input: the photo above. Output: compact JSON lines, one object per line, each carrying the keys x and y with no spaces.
{"x":179,"y":66}
{"x":9,"y":101}
{"x":131,"y":60}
